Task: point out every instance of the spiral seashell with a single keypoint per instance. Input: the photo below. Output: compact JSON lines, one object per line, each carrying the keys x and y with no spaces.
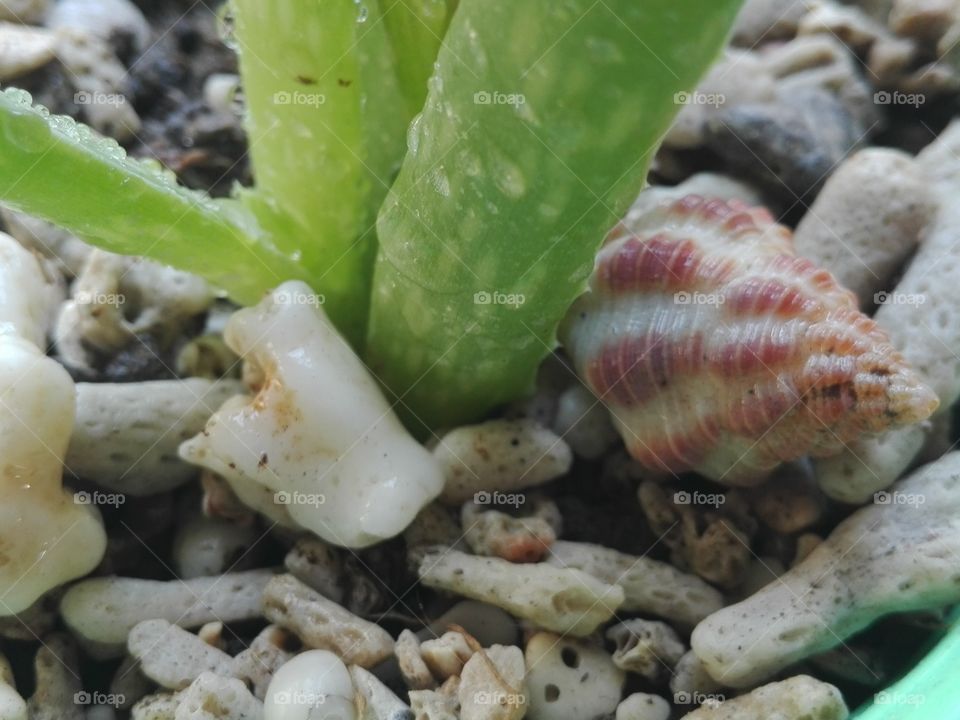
{"x":718,"y":350}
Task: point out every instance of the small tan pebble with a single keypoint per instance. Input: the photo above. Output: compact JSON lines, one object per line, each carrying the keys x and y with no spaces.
{"x":492,"y":685}
{"x":23,"y":11}
{"x":366,"y":593}
{"x":23,"y":49}
{"x":257,"y":663}
{"x":762,"y":21}
{"x":798,"y":698}
{"x":890,"y":59}
{"x":643,"y":706}
{"x":647,"y":647}
{"x":207,"y":356}
{"x":649,"y":586}
{"x":891,"y":556}
{"x":204,"y":546}
{"x":159,"y":706}
{"x":69,"y":252}
{"x":806,"y":544}
{"x":110,"y":20}
{"x":499,"y":457}
{"x":413,"y":667}
{"x":321,"y":623}
{"x":488,"y":624}
{"x":662,"y":513}
{"x":314,"y":683}
{"x":101,"y":611}
{"x":212,"y":634}
{"x":790,"y":501}
{"x":173,"y":657}
{"x":59,"y":694}
{"x":569,"y":679}
{"x":869,"y":465}
{"x":446,"y":655}
{"x":922,"y":19}
{"x":129,"y":685}
{"x":920,"y":316}
{"x":930,"y":80}
{"x":823,"y":63}
{"x":378,"y":701}
{"x":720,"y":553}
{"x":116,"y":298}
{"x":922,"y":328}
{"x":857,"y":29}
{"x":738,"y":77}
{"x":690,"y":679}
{"x":495,"y":533}
{"x":213,"y":697}
{"x":556,"y":598}
{"x":319,"y":565}
{"x":584,"y":423}
{"x":440,"y":704}
{"x":101,"y":83}
{"x":127,"y":434}
{"x":867,"y":220}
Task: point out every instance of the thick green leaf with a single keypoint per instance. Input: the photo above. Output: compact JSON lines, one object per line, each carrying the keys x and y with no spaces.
{"x":326,"y":123}
{"x":541,"y":120}
{"x":58,"y":170}
{"x":416,"y":29}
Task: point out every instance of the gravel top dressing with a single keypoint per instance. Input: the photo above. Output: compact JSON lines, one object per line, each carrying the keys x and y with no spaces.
{"x":479,"y":359}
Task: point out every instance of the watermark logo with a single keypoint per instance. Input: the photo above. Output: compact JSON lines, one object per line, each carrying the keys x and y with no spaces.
{"x":896,"y":298}
{"x":884,"y":97}
{"x":699,"y":98}
{"x":886,"y":697}
{"x":496,"y":497}
{"x":513,"y":300}
{"x":83,"y":697}
{"x":494,"y":97}
{"x":295,"y":497}
{"x":496,"y":697}
{"x":710,"y":700}
{"x":85,"y":297}
{"x":898,"y":498}
{"x":699,"y":498}
{"x":698,"y":298}
{"x":299,"y":697}
{"x":98,"y":98}
{"x":287,"y":297}
{"x":83,"y":497}
{"x":297,"y":97}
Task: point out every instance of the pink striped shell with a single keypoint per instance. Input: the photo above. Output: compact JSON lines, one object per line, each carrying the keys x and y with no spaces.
{"x":718,"y":350}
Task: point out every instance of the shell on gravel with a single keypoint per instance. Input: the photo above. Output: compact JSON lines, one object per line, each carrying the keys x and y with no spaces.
{"x":718,"y":350}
